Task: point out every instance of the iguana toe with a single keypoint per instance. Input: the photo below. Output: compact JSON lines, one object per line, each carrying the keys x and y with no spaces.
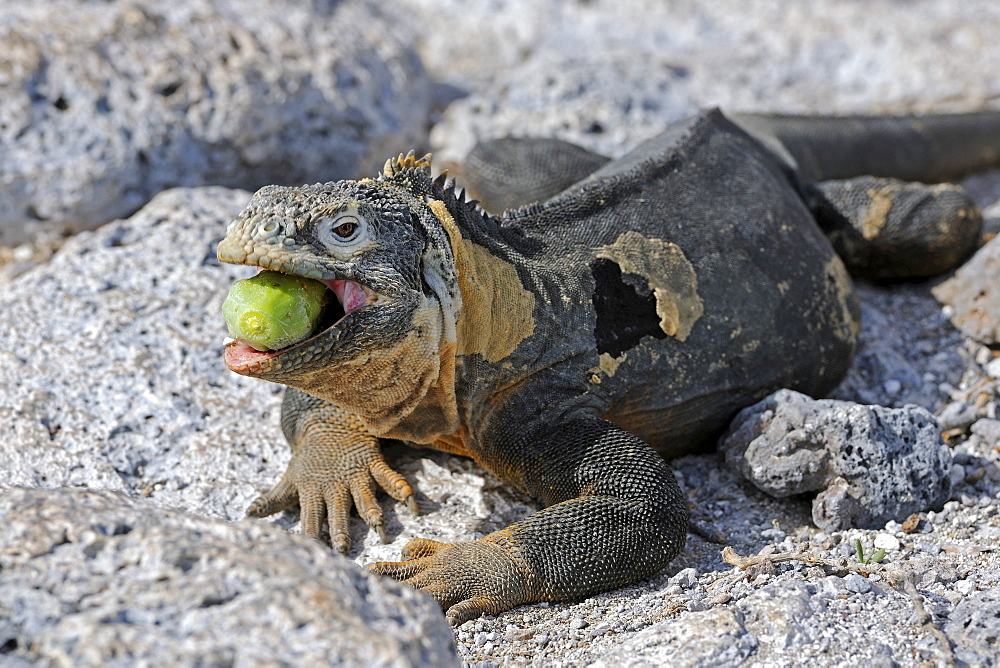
{"x":421,"y":547}
{"x":466,"y":579}
{"x":282,"y":496}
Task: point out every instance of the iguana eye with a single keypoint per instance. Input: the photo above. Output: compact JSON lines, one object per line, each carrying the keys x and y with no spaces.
{"x":346,"y":226}
{"x":343,"y":231}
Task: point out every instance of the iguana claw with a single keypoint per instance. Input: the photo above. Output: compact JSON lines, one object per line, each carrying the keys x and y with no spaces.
{"x":335,"y":464}
{"x":467,"y":579}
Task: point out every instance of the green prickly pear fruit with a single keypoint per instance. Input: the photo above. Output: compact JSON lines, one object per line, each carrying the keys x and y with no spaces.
{"x":273,"y":310}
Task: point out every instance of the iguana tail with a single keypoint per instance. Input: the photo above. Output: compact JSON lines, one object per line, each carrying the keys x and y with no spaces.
{"x":912,"y":148}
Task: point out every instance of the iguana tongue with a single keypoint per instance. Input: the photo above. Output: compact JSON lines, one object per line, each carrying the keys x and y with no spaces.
{"x":351,"y":295}
{"x":240,"y":357}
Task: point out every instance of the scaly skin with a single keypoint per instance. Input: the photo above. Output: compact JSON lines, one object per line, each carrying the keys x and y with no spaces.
{"x":565,"y":346}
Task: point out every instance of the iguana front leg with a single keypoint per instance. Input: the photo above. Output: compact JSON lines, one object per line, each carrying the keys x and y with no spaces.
{"x":334,"y":461}
{"x":615,"y":515}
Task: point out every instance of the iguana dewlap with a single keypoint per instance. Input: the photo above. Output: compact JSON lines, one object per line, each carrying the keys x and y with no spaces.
{"x":566,"y":345}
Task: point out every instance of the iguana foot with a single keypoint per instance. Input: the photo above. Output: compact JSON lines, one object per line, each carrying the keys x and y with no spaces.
{"x":335,"y":462}
{"x":467,"y":579}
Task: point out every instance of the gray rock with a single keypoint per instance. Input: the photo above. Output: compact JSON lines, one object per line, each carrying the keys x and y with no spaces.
{"x":714,"y":637}
{"x":973,"y":627}
{"x":973,"y":294}
{"x":871,"y":464}
{"x":95,"y":578}
{"x":112,"y":355}
{"x":957,"y":415}
{"x":857,"y":583}
{"x":988,"y":430}
{"x":108,"y":103}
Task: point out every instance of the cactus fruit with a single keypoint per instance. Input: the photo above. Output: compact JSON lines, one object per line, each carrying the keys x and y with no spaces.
{"x":273,"y":310}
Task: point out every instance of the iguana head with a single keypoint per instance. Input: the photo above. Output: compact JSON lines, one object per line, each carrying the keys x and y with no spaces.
{"x":387,"y":341}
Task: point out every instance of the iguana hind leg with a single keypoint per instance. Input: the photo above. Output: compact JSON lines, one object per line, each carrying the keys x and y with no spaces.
{"x":886,"y":228}
{"x":615,"y":515}
{"x":335,"y":462}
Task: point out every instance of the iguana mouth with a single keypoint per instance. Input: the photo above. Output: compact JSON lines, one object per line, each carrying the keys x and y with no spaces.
{"x":350,"y":297}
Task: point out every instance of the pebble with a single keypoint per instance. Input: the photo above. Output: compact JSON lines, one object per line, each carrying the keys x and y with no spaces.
{"x":600,"y":630}
{"x":857,"y":583}
{"x":887,"y":542}
{"x":578,"y":623}
{"x":686,"y":577}
{"x":988,"y":429}
{"x":965,"y":587}
{"x":929,"y":548}
{"x":957,"y":474}
{"x":892,"y":387}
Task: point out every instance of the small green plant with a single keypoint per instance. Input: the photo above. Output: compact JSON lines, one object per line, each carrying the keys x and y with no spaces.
{"x":872,"y":558}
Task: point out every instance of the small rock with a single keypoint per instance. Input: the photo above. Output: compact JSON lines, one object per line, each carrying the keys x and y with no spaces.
{"x":715,"y":637}
{"x":911,"y":524}
{"x":857,"y":583}
{"x":974,"y":626}
{"x":578,"y":623}
{"x":892,"y":387}
{"x":862,"y":459}
{"x":686,"y":578}
{"x":974,"y":296}
{"x":988,"y":429}
{"x":600,"y":630}
{"x":965,"y":587}
{"x":957,"y":415}
{"x":957,"y":474}
{"x":887,"y":542}
{"x":516,"y":634}
{"x":975,"y":475}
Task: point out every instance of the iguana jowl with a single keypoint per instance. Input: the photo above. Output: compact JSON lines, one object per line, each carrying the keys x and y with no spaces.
{"x":565,"y":345}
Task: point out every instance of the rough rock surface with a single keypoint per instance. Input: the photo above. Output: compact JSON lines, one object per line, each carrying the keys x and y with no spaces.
{"x":95,"y":578}
{"x":718,"y":637}
{"x":607,"y":74}
{"x":870,"y":464}
{"x":973,"y":295}
{"x":107,"y":103}
{"x":974,"y":628}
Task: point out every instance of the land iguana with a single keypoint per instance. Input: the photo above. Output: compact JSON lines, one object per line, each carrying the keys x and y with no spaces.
{"x":618,"y":311}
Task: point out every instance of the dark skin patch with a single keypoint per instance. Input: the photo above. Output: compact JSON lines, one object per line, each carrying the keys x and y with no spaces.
{"x":625,"y":306}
